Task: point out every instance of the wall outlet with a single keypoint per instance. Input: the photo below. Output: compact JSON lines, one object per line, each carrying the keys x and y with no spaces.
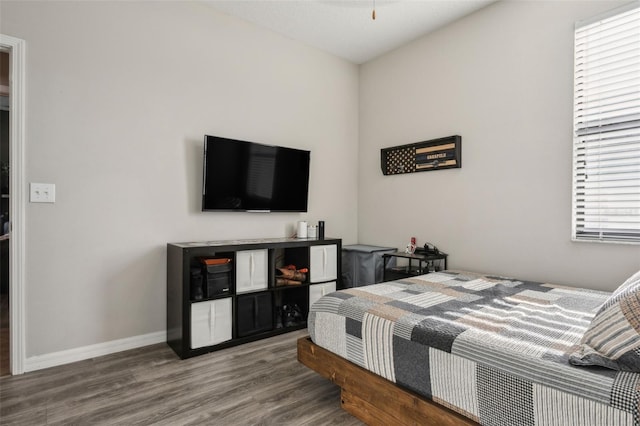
{"x":42,"y":192}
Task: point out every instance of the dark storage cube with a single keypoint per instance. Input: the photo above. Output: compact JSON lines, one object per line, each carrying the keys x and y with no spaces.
{"x":254,"y":314}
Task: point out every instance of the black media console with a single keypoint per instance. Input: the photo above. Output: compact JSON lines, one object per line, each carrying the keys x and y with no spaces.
{"x":225,"y":293}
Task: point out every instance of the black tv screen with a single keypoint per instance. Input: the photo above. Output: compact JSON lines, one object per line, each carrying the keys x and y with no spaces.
{"x":248,"y":176}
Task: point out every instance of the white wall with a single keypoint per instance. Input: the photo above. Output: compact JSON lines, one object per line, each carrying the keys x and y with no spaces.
{"x":120,"y":95}
{"x":502,"y":79}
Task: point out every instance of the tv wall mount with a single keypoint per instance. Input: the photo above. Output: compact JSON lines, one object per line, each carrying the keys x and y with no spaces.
{"x":434,"y":154}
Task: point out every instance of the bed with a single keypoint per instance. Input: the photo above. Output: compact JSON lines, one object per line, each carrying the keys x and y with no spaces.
{"x":458,"y":348}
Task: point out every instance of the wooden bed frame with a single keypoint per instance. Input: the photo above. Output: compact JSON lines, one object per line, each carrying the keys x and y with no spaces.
{"x":371,"y":398}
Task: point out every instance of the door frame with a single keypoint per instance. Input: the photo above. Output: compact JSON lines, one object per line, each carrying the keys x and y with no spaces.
{"x":17,"y":60}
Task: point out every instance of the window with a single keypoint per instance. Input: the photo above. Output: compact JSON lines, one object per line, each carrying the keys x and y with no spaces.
{"x":606,"y":147}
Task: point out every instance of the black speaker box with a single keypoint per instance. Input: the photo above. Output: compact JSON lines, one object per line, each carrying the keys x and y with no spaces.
{"x":217,"y":279}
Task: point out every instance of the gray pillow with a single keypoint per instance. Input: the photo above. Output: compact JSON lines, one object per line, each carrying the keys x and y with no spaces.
{"x":613,"y":337}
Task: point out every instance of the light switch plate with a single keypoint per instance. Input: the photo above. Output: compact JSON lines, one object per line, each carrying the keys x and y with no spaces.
{"x":42,"y":192}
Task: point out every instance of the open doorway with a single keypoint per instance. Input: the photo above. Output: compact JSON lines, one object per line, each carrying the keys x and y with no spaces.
{"x":4,"y":215}
{"x":13,"y":231}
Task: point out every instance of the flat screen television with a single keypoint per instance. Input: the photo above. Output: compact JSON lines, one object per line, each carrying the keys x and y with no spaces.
{"x":247,"y":176}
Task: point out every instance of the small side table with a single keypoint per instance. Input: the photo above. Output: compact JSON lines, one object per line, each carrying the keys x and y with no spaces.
{"x":419,"y":264}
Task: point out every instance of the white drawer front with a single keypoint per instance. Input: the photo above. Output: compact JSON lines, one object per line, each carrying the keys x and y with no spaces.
{"x":251,"y":270}
{"x":324,"y":265}
{"x":316,"y":291}
{"x":210,"y":322}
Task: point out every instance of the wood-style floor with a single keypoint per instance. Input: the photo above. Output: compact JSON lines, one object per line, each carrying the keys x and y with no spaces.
{"x":259,"y":383}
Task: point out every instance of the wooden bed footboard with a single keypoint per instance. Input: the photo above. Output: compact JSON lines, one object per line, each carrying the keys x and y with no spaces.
{"x":371,"y":398}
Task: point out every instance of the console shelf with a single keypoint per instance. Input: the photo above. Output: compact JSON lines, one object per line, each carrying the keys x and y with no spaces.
{"x":224,"y":293}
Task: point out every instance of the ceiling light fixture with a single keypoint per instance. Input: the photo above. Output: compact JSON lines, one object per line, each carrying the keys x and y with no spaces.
{"x":373,"y":14}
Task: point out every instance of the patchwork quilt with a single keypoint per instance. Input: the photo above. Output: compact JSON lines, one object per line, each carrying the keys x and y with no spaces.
{"x":490,"y":348}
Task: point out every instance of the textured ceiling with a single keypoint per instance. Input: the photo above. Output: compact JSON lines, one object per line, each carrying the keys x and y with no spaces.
{"x":345,"y":28}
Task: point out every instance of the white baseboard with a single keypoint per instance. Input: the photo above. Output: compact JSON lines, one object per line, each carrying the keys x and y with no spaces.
{"x":39,"y":362}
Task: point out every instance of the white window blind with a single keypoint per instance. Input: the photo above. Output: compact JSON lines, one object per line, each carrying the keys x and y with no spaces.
{"x":606,"y":149}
